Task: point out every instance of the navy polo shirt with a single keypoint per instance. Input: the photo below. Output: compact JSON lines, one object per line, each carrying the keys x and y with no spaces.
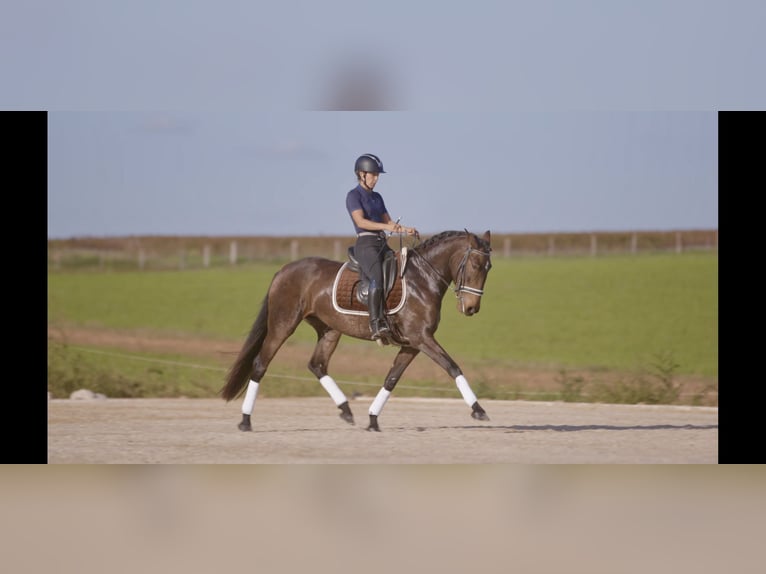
{"x":371,"y":203}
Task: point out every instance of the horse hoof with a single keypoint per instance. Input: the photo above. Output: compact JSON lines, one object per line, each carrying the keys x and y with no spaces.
{"x":348,"y":417}
{"x":373,"y":428}
{"x":244,"y":424}
{"x":345,"y":413}
{"x":480,"y":415}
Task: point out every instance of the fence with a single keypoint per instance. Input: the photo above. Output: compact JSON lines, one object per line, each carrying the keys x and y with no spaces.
{"x":160,"y":252}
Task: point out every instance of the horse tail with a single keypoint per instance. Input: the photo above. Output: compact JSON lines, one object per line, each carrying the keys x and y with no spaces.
{"x":240,"y":372}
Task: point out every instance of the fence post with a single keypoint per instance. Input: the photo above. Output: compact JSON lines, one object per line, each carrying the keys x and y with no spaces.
{"x":633,"y":242}
{"x":141,"y":258}
{"x":233,"y":252}
{"x":507,"y":247}
{"x":294,"y":249}
{"x":551,"y":245}
{"x":678,"y":242}
{"x":182,"y":259}
{"x":593,"y":245}
{"x":336,"y":250}
{"x":206,"y":256}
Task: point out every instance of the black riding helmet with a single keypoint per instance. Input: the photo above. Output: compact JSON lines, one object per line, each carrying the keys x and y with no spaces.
{"x":369,"y":163}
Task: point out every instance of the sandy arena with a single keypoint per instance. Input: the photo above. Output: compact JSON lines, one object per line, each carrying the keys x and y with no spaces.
{"x":413,"y":431}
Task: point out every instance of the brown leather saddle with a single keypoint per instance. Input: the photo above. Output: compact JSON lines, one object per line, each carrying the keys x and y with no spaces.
{"x":350,"y":289}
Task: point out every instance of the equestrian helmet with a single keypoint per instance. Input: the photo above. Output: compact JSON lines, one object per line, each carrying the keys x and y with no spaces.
{"x":369,"y":163}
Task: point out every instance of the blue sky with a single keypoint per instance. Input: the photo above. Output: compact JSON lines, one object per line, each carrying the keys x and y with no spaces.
{"x":285,"y":173}
{"x":184,"y":117}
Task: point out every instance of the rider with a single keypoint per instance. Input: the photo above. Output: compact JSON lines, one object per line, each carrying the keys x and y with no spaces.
{"x":371,"y":221}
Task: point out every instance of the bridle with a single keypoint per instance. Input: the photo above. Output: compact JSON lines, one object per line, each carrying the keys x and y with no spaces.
{"x":460,"y":286}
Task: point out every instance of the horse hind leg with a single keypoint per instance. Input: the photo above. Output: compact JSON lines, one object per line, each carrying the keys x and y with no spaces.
{"x":271,"y":344}
{"x":319,"y":362}
{"x":248,"y":403}
{"x":247,"y":406}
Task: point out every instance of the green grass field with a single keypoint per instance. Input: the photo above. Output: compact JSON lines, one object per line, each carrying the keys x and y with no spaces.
{"x":610,"y":313}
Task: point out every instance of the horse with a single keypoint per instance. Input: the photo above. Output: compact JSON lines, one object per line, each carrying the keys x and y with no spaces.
{"x":306,"y":290}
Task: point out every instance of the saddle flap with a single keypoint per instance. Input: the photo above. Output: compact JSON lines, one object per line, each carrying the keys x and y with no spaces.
{"x":347,"y":293}
{"x":389,"y":269}
{"x":353,"y":264}
{"x":351,"y":281}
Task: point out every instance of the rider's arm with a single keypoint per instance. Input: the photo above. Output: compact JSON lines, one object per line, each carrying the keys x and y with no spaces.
{"x":363,"y":223}
{"x":387,"y":225}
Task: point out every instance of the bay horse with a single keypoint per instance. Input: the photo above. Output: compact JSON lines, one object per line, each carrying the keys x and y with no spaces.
{"x":305,"y":290}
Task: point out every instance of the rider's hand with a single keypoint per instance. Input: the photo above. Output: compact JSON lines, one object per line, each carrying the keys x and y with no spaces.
{"x":398,"y":228}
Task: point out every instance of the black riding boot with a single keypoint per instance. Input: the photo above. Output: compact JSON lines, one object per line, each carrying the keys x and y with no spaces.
{"x":378,"y":323}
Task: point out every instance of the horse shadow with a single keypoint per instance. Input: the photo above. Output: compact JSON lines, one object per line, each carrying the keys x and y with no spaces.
{"x":516,"y":428}
{"x":578,"y":428}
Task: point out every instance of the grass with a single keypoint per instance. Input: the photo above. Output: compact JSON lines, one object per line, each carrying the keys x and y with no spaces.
{"x":121,"y":375}
{"x":654,"y":316}
{"x":612,"y":312}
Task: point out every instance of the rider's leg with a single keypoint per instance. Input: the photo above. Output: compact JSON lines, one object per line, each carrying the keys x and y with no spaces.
{"x":378,"y":323}
{"x":368,"y":252}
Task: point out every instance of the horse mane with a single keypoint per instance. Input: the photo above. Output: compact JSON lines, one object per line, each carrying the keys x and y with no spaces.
{"x":439,"y":237}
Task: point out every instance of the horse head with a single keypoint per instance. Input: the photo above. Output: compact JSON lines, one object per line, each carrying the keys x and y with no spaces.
{"x":471,"y":272}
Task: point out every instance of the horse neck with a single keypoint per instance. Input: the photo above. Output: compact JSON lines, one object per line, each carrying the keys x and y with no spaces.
{"x":441,"y":258}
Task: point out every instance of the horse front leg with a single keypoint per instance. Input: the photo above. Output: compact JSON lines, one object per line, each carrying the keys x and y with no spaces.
{"x":437,"y":353}
{"x":401,"y":362}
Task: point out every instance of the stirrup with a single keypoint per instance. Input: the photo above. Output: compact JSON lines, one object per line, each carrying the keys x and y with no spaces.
{"x":383,"y":336}
{"x":382,"y":333}
{"x":381,"y":330}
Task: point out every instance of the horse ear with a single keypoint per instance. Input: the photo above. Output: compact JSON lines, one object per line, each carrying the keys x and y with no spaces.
{"x":486,"y":236}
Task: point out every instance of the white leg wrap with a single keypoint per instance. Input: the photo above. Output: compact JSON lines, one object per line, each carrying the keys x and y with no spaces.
{"x":379,"y":402}
{"x":249,"y":402}
{"x":465,"y":390}
{"x":332,"y":388}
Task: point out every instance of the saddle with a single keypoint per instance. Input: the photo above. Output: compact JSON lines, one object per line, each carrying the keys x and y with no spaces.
{"x":351,"y":288}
